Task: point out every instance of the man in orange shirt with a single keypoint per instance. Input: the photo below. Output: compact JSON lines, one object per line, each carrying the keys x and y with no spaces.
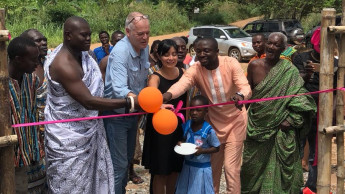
{"x":258,"y":43}
{"x":220,"y":79}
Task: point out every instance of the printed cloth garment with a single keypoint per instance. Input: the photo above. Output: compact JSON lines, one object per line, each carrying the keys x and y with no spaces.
{"x":287,"y":53}
{"x":41,"y":101}
{"x":196,"y":174}
{"x":271,"y":162}
{"x":78,"y":158}
{"x":23,"y":101}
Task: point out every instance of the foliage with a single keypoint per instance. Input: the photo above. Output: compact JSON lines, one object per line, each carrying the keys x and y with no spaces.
{"x":224,"y":12}
{"x":291,"y":8}
{"x":59,"y":12}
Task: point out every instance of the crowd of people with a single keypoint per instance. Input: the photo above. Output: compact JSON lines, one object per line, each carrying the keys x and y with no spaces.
{"x":257,"y":146}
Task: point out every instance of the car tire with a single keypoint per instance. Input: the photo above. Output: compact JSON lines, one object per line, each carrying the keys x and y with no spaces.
{"x":235,"y":53}
{"x":191,"y":50}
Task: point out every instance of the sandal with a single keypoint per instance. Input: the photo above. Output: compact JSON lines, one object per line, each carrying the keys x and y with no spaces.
{"x":136,"y":179}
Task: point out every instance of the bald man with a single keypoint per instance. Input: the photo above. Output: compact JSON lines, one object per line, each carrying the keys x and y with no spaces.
{"x":78,"y":158}
{"x":126,"y":75}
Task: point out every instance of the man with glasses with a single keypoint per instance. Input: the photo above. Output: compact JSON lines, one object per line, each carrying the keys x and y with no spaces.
{"x":126,"y":75}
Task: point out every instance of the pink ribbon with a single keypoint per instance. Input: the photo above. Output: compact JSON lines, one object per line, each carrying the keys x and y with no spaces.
{"x":178,"y":108}
{"x":177,"y":111}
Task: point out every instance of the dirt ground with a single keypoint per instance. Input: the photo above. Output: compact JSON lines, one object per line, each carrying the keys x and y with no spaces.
{"x":143,"y":188}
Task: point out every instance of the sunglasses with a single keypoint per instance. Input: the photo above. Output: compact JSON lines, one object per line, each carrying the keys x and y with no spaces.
{"x":138,"y":18}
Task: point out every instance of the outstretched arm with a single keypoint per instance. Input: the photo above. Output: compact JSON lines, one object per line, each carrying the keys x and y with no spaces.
{"x":70,"y":77}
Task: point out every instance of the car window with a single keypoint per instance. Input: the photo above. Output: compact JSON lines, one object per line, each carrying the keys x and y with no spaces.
{"x":259,"y":27}
{"x":249,"y":28}
{"x":203,"y":32}
{"x":292,"y":24}
{"x":217,"y":33}
{"x":236,"y":33}
{"x":273,"y":27}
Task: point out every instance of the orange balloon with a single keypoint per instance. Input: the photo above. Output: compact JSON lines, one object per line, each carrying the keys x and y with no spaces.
{"x":164,"y":121}
{"x":150,"y":99}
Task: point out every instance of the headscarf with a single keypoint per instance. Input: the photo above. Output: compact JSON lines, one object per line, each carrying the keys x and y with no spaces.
{"x":315,"y":39}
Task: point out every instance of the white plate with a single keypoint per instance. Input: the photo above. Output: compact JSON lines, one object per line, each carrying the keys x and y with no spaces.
{"x":185,"y":149}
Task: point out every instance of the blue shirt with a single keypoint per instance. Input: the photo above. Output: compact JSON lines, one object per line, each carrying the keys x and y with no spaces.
{"x":205,"y":137}
{"x":126,"y":71}
{"x":100,"y":53}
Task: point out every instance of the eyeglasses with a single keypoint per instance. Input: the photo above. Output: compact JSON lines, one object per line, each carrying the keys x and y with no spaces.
{"x":138,"y":18}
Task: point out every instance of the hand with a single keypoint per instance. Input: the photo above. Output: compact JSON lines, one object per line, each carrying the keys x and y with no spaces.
{"x":136,"y":103}
{"x":285,"y":125}
{"x":106,"y":48}
{"x":168,"y":106}
{"x":237,"y":98}
{"x":310,"y":69}
{"x":199,"y":151}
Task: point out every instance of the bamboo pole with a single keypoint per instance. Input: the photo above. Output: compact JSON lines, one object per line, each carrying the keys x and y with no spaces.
{"x":8,"y":140}
{"x":7,"y":153}
{"x":340,"y":107}
{"x":334,"y":129}
{"x":336,"y":29}
{"x":325,"y":102}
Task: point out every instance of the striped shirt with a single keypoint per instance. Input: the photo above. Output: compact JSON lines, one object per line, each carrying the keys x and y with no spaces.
{"x":23,"y":101}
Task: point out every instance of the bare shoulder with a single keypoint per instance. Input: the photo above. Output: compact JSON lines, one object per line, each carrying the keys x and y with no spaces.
{"x":153,"y":80}
{"x":256,"y":64}
{"x":64,"y":67}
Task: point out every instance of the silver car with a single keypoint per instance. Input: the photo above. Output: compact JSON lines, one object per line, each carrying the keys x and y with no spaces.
{"x":232,"y":41}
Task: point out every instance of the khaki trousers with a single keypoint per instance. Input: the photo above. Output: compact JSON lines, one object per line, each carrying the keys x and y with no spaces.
{"x":229,"y":155}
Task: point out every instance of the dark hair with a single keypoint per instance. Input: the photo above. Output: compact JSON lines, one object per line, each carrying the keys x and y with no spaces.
{"x":262,"y":35}
{"x":201,"y":98}
{"x":212,"y":40}
{"x":117,"y":32}
{"x":154,"y":44}
{"x":103,"y":32}
{"x":163,"y":47}
{"x":18,"y":47}
{"x":185,"y":39}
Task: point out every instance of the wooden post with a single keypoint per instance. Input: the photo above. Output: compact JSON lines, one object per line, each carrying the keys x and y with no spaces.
{"x":6,"y":153}
{"x":325,"y":102}
{"x":340,"y":108}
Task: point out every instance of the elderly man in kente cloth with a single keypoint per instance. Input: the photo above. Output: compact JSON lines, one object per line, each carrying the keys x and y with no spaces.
{"x":78,"y":158}
{"x":271,"y":162}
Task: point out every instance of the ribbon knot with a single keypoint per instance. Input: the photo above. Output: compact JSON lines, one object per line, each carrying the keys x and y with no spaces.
{"x":177,"y":111}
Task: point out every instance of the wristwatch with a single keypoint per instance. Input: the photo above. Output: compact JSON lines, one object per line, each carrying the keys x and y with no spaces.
{"x":240,"y":94}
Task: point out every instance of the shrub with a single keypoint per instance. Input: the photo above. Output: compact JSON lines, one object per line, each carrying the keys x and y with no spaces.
{"x":59,"y":12}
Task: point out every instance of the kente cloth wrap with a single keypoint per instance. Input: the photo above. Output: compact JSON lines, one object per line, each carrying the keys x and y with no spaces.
{"x":23,"y":102}
{"x":271,"y":162}
{"x":287,"y":53}
{"x":78,"y":158}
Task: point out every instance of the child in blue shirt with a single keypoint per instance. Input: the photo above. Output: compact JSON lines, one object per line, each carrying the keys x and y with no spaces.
{"x":196,"y":174}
